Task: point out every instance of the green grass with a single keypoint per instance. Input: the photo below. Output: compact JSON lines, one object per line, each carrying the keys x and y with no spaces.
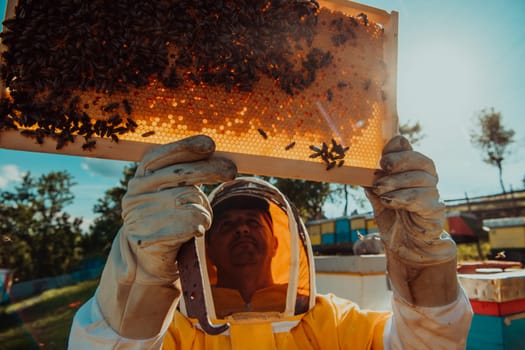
{"x":469,"y":251}
{"x":43,"y":321}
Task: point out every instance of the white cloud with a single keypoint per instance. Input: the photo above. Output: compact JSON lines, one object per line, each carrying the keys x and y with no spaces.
{"x":9,"y":173}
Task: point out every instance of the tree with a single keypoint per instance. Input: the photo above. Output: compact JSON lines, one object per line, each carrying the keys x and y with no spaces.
{"x":493,"y":139}
{"x":308,"y":196}
{"x":109,"y":219}
{"x":39,"y":238}
{"x":106,"y":225}
{"x":413,"y":132}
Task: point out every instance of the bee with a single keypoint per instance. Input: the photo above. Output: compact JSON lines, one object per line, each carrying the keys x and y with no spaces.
{"x":120,"y":130}
{"x":500,"y":255}
{"x":317,"y":151}
{"x":366,"y":84}
{"x":89,"y":145}
{"x":290,"y":146}
{"x":330,"y":165}
{"x":73,"y":103}
{"x":61,"y":142}
{"x":110,"y":107}
{"x":331,"y":156}
{"x":131,"y":124}
{"x":28,"y":133}
{"x":338,"y":23}
{"x":363,"y":17}
{"x":339,"y":39}
{"x":127,"y":106}
{"x":263,"y":133}
{"x":329,"y":95}
{"x":194,"y":78}
{"x":39,"y":135}
{"x":96,"y":100}
{"x":149,"y":133}
{"x":115,"y":119}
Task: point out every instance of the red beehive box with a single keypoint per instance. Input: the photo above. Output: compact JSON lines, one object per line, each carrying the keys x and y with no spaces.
{"x":493,"y":291}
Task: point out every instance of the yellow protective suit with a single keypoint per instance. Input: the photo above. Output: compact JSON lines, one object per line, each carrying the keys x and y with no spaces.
{"x":333,"y":323}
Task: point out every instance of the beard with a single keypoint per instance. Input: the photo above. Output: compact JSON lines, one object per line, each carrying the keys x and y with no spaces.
{"x":247,"y":252}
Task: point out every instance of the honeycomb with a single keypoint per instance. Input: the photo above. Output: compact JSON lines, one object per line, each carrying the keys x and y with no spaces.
{"x":350,"y":103}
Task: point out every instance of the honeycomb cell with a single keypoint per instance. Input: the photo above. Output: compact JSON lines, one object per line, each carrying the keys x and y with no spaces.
{"x":344,"y":103}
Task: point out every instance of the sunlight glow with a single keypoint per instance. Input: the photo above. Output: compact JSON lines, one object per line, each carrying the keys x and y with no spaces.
{"x":442,"y":76}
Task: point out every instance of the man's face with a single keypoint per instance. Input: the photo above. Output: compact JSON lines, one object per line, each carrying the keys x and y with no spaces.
{"x":241,"y":238}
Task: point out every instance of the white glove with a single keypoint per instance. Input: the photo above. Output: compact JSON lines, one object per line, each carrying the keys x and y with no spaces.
{"x":162,"y":209}
{"x":421,"y":257}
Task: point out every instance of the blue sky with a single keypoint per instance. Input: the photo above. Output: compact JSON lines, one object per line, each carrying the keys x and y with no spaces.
{"x":455,"y":58}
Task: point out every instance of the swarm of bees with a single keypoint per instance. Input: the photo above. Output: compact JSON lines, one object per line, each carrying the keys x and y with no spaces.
{"x":111,"y":46}
{"x":331,"y":155}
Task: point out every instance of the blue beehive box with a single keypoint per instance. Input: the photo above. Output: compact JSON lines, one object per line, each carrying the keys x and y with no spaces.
{"x":342,"y":230}
{"x":328,"y":238}
{"x":342,"y":225}
{"x":497,"y":332}
{"x":342,"y":237}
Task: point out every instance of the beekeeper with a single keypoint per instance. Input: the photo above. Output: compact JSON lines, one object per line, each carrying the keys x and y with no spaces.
{"x":257,"y":263}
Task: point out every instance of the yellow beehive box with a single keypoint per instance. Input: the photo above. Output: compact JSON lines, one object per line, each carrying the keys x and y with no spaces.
{"x":291,"y":89}
{"x":328,"y":226}
{"x":315,"y":239}
{"x":371,"y":225}
{"x":357,"y":223}
{"x":314,"y":230}
{"x":506,"y":233}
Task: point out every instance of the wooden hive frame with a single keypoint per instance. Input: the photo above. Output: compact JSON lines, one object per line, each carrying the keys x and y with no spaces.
{"x":274,"y":129}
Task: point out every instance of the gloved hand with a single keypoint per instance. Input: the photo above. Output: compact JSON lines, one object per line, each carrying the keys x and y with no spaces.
{"x":421,"y":257}
{"x":162,"y":209}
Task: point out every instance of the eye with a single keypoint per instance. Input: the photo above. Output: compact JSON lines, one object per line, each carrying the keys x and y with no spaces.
{"x":254,"y":223}
{"x":225,"y":226}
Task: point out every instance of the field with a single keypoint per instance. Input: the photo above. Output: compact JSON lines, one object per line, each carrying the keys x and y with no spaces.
{"x":43,"y":321}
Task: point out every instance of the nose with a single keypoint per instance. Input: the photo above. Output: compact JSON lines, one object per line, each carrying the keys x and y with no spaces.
{"x":242,"y":228}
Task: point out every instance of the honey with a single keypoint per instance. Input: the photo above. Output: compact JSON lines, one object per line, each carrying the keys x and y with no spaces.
{"x":328,"y":82}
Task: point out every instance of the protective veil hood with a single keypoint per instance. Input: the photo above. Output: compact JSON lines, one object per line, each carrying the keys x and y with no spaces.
{"x":292,"y":265}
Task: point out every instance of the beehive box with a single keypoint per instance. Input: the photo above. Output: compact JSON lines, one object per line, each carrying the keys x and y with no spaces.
{"x":497,"y":300}
{"x":285,"y":88}
{"x":507,"y":233}
{"x":371,"y":225}
{"x":314,"y":230}
{"x":496,"y":333}
{"x":495,"y":287}
{"x":328,"y":226}
{"x":328,"y":238}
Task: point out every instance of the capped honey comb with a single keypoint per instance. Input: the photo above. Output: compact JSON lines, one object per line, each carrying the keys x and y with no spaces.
{"x":285,"y":88}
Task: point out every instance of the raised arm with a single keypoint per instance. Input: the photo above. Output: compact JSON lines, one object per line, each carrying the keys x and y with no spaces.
{"x":429,"y":305}
{"x":162,"y":208}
